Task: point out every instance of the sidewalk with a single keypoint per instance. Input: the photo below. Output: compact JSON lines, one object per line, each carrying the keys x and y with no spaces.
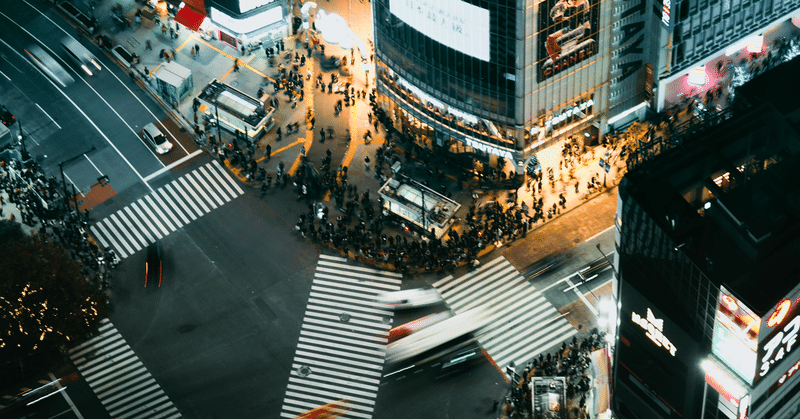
{"x":215,"y":60}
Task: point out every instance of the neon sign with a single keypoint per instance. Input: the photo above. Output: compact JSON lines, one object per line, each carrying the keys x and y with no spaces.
{"x":780,"y":312}
{"x":780,"y":345}
{"x":655,"y":330}
{"x":730,"y":302}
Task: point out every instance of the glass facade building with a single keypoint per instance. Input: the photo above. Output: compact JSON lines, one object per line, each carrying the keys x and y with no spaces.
{"x":502,"y":77}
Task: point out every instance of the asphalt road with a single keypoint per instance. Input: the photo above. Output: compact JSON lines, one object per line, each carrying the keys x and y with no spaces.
{"x":220,"y":333}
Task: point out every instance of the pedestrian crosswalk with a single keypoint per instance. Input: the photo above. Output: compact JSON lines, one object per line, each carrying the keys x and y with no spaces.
{"x":523,"y":323}
{"x":168,"y":208}
{"x":119,"y":380}
{"x":342,"y":342}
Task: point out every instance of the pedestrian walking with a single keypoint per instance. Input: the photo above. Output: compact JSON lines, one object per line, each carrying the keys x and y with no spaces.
{"x":268,"y":153}
{"x":174,"y":57}
{"x":283,"y":47}
{"x":260,"y":93}
{"x":235,"y":64}
{"x":322,"y":134}
{"x":147,"y":45}
{"x":313,"y":121}
{"x":163,"y":29}
{"x":366,"y":163}
{"x":197,"y":49}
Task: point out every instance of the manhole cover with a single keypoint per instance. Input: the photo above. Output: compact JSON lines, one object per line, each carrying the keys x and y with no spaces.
{"x":234,"y":83}
{"x":344,"y":317}
{"x":304,"y":371}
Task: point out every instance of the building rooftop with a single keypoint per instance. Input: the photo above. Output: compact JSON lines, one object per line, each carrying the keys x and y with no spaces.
{"x":729,"y":198}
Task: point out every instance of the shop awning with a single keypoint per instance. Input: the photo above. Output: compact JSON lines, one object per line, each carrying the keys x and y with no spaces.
{"x":190,"y":18}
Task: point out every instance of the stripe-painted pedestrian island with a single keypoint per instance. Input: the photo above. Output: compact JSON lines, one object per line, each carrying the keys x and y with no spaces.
{"x":342,"y":345}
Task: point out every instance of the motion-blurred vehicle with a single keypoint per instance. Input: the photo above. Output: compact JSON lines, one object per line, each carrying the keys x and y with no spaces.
{"x":49,"y":66}
{"x":547,"y":264}
{"x":80,"y":55}
{"x":156,"y":139}
{"x":439,"y":339}
{"x":464,"y":357}
{"x":419,"y":297}
{"x":153,"y":266}
{"x":6,"y":116}
{"x":413,"y":326}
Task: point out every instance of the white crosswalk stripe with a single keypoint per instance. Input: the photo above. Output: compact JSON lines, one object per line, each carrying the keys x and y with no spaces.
{"x":523,"y":323}
{"x":166,"y":210}
{"x":119,"y":380}
{"x":342,"y":344}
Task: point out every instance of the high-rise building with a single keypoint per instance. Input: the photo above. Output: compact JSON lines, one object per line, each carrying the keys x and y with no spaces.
{"x":502,"y":78}
{"x":667,"y":52}
{"x":708,"y":260}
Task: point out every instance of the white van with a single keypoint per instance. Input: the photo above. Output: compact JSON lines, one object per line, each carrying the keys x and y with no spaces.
{"x":80,"y":55}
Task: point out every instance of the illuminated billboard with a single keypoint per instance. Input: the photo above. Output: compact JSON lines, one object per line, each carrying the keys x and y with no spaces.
{"x":735,"y":338}
{"x":778,"y":335}
{"x":568,"y":34}
{"x":454,"y":23}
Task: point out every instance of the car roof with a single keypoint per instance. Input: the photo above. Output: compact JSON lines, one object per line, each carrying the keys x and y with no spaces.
{"x":152,"y":129}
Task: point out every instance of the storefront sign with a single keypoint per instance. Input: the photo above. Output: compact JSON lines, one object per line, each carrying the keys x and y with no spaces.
{"x":575,"y":110}
{"x":735,"y":336}
{"x":486,"y":148}
{"x":723,"y":383}
{"x":654,"y":330}
{"x":778,"y":332}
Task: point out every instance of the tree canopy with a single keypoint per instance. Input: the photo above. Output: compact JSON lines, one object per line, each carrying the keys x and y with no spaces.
{"x":45,"y":301}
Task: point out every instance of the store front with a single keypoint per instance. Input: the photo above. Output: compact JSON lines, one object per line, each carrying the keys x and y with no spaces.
{"x":258,"y":23}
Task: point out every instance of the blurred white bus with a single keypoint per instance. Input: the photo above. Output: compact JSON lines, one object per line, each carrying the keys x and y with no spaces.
{"x":438,"y":338}
{"x":49,"y":66}
{"x":399,"y":332}
{"x":419,"y":297}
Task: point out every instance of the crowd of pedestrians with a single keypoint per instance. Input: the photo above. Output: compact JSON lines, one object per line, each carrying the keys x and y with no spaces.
{"x":40,"y":202}
{"x":572,"y":361}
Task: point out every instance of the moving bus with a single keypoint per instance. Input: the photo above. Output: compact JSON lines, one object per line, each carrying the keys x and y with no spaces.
{"x":80,"y":55}
{"x":404,"y":330}
{"x":49,"y":66}
{"x":438,"y":339}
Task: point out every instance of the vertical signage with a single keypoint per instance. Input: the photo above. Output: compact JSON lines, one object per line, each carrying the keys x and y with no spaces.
{"x":779,"y":333}
{"x":665,"y":13}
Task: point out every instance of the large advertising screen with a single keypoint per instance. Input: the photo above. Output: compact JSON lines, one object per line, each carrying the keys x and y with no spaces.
{"x":454,"y":23}
{"x":735,"y":338}
{"x":568,"y":34}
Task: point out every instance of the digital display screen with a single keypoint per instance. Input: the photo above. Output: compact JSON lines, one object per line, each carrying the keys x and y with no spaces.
{"x":568,"y":34}
{"x":454,"y":23}
{"x":735,"y":338}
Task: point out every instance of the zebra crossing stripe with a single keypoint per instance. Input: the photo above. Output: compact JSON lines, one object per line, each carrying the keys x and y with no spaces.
{"x":221,"y":185}
{"x":113,"y":242}
{"x":131,"y":227}
{"x":95,"y":232}
{"x":139,"y":224}
{"x":113,"y":230}
{"x":146,"y":218}
{"x":181,"y":196}
{"x":197,"y":199}
{"x":152,"y":220}
{"x":123,"y":228}
{"x":227,"y":177}
{"x":342,"y":359}
{"x":158,"y":205}
{"x":198,"y":189}
{"x":162,"y":216}
{"x":118,"y":378}
{"x":175,"y":207}
{"x":206,"y":188}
